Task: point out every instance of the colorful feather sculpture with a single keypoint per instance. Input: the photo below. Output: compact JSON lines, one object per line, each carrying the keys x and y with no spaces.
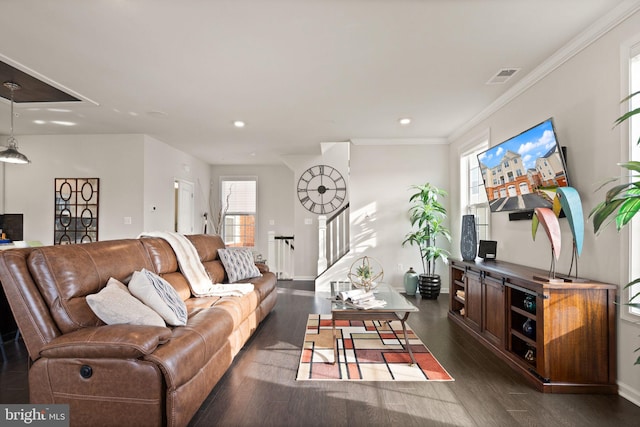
{"x":568,"y":200}
{"x":549,"y":221}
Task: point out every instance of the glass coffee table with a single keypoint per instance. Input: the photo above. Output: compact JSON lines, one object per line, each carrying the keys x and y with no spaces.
{"x":397,"y":308}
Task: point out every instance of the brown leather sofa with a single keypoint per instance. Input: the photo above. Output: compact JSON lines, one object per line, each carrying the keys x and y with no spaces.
{"x":125,"y":375}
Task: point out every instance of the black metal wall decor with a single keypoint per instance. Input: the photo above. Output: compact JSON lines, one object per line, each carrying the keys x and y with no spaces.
{"x":76,"y":210}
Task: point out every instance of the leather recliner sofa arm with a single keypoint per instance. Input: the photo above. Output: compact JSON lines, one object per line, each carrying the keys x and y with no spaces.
{"x":109,"y":341}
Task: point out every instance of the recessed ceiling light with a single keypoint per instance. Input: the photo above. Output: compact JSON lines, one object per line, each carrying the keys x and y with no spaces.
{"x":239,"y":123}
{"x":404,"y":121}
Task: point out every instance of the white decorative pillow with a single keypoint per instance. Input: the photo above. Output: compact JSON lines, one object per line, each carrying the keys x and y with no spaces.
{"x":114,"y":304}
{"x":158,"y":294}
{"x":238,"y":263}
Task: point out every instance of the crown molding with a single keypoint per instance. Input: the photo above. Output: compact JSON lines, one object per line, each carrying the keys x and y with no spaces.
{"x":399,"y":141}
{"x":598,"y":29}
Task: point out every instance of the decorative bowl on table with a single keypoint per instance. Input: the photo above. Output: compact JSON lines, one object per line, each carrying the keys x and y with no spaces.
{"x":365,"y":273}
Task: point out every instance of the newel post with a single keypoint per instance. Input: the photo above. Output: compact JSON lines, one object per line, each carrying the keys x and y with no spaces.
{"x":322,"y":243}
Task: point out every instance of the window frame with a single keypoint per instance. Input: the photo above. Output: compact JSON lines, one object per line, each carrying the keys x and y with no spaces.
{"x":225,"y":213}
{"x":471,"y":149}
{"x":629,"y":132}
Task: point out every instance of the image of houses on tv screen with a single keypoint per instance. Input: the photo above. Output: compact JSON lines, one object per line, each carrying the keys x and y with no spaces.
{"x":523,"y":172}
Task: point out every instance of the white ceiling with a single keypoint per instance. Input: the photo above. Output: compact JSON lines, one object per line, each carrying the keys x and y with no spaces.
{"x":299,"y":72}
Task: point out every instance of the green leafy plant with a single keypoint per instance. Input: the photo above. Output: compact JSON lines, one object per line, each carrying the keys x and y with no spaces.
{"x":428,"y":215}
{"x":622,"y":202}
{"x":364,"y":271}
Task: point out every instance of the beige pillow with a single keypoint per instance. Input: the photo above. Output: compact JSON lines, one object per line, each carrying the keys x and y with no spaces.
{"x":114,"y":304}
{"x":159,"y":295}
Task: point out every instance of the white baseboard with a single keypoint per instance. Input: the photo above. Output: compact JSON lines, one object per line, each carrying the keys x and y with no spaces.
{"x":631,"y":394}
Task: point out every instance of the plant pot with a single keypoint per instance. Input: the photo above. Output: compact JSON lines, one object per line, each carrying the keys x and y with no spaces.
{"x":429,"y":286}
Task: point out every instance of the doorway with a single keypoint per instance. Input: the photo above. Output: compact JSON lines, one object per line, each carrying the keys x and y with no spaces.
{"x":184,"y":206}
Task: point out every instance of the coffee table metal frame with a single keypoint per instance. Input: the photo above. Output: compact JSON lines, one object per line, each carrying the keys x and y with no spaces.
{"x":397,"y":308}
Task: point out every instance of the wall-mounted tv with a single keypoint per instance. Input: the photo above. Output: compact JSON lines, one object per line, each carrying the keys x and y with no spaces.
{"x":523,"y":172}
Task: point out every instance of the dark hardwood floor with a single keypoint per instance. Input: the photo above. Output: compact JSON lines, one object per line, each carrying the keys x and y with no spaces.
{"x":260,"y":388}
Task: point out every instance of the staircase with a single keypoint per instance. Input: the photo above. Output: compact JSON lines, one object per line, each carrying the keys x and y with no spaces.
{"x":333,"y":239}
{"x":280,"y":256}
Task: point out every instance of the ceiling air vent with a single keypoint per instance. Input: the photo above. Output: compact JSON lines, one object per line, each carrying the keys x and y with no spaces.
{"x":502,"y":76}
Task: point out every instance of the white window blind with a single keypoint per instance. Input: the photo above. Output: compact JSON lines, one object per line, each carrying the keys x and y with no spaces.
{"x":238,"y":201}
{"x":239,"y":196}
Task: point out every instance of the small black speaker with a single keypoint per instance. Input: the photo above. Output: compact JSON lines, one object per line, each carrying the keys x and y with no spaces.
{"x":487,"y":249}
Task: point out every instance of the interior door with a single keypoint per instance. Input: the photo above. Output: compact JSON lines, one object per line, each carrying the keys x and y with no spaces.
{"x":184,"y":206}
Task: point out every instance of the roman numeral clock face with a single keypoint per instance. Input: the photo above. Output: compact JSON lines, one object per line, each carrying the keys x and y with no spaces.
{"x":321,"y":189}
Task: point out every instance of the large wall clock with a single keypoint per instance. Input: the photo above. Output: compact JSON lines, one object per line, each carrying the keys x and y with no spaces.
{"x":321,"y":189}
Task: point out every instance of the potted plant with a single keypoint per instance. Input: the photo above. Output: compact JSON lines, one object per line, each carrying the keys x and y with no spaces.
{"x":622,"y":203}
{"x":428,"y":215}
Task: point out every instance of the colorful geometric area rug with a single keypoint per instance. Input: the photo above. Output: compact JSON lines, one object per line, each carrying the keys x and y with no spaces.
{"x":367,"y":351}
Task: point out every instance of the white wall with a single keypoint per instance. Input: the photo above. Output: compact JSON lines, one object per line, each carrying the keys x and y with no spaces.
{"x":335,"y":155}
{"x":115,"y":159}
{"x":380,"y":181}
{"x":135,"y":172}
{"x":583,"y":97}
{"x":275,"y":199}
{"x":163,"y":164}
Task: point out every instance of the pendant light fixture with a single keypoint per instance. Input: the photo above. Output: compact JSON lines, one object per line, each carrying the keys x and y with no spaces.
{"x":11,"y":153}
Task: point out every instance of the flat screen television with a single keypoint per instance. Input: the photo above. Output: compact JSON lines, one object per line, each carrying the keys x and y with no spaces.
{"x":523,"y":172}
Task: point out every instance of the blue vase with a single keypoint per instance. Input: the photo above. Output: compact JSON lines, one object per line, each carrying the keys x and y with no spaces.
{"x":410,"y":281}
{"x":528,"y":328}
{"x":530,"y":304}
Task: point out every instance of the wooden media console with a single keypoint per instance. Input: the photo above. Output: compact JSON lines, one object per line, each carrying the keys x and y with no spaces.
{"x":560,"y":336}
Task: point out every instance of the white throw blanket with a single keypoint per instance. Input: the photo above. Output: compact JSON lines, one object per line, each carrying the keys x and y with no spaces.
{"x":193,"y":270}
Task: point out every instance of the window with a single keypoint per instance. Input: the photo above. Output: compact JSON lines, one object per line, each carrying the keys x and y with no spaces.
{"x":238,"y":202}
{"x":634,"y":154}
{"x":473,"y":194}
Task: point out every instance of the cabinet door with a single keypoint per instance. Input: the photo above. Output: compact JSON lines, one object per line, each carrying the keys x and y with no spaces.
{"x":494,"y":328}
{"x":474,"y":300}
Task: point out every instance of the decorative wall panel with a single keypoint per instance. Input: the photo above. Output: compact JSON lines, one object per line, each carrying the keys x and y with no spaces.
{"x":76,"y":210}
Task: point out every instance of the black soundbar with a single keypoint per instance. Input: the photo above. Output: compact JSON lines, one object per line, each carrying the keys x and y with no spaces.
{"x":520,"y":215}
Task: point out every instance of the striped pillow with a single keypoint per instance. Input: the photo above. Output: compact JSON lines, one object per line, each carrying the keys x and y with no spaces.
{"x":238,"y":263}
{"x":114,"y":305}
{"x":158,"y":294}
